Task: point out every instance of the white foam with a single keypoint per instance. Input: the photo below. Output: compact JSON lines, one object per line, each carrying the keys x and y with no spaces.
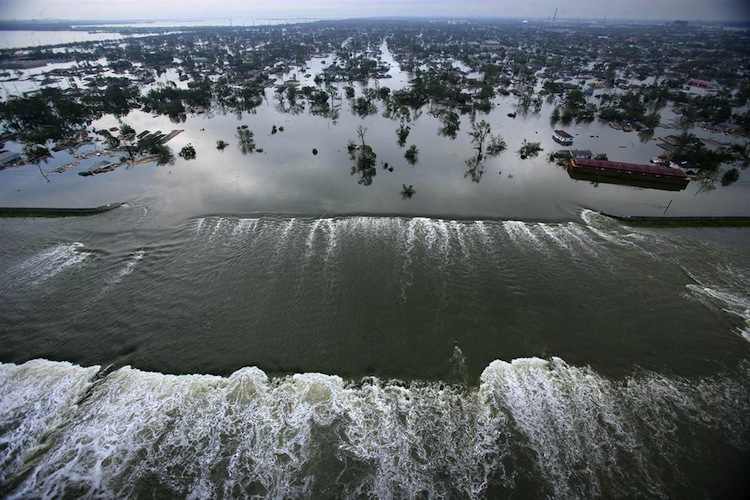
{"x":591,"y":220}
{"x":244,"y":226}
{"x":587,"y":431}
{"x":49,"y":263}
{"x":429,"y":231}
{"x":410,"y":237}
{"x":520,"y":231}
{"x":445,"y":238}
{"x":217,"y":228}
{"x":484,"y":235}
{"x":130,"y":265}
{"x":458,"y":229}
{"x":248,"y":434}
{"x":288,"y":228}
{"x":199,"y":224}
{"x":311,"y":237}
{"x":576,"y":233}
{"x":552,"y":233}
{"x":35,"y":398}
{"x":332,"y":233}
{"x":732,"y":303}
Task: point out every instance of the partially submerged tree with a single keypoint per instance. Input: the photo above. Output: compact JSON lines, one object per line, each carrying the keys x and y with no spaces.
{"x":246,"y":140}
{"x":411,"y":154}
{"x":479,"y":133}
{"x":361,"y":133}
{"x":163,"y":152}
{"x":403,"y":134}
{"x":451,"y":123}
{"x":36,"y":152}
{"x":691,"y":152}
{"x":730,"y":176}
{"x":128,"y":141}
{"x":407,"y":191}
{"x":496,"y":146}
{"x":188,"y":152}
{"x":126,"y":130}
{"x":364,"y":158}
{"x":529,"y":149}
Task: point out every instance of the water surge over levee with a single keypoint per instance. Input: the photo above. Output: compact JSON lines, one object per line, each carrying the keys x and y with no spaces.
{"x":48,"y":263}
{"x":533,"y":428}
{"x":35,"y":399}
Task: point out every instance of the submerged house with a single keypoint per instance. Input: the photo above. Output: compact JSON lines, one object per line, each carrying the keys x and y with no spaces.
{"x":574,"y":154}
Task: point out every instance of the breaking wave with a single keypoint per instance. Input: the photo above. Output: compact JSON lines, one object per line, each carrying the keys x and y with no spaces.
{"x":443,"y":238}
{"x":129,"y":266}
{"x":66,"y":431}
{"x":732,"y":303}
{"x":728,"y":290}
{"x":48,"y":263}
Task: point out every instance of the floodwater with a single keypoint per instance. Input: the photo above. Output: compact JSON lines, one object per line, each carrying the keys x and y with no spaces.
{"x":264,"y":324}
{"x":13,"y":39}
{"x":218,"y":21}
{"x":287,"y":178}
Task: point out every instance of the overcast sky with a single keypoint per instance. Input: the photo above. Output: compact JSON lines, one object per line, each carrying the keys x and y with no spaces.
{"x":735,"y":10}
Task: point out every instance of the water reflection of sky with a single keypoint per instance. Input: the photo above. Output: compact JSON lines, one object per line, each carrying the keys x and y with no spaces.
{"x":31,"y":38}
{"x":288,"y":178}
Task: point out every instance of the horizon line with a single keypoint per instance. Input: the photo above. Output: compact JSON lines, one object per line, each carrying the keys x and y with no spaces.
{"x":348,"y":18}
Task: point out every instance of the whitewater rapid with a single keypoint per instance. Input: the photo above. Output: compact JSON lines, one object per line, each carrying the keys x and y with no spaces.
{"x":67,"y":430}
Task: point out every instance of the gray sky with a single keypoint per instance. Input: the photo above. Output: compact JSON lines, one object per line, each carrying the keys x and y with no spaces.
{"x":735,"y":10}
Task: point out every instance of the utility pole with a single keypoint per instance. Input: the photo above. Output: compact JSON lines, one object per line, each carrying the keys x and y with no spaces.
{"x":667,"y":208}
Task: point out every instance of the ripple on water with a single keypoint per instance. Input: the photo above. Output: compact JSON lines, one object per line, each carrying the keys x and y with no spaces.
{"x":48,"y":263}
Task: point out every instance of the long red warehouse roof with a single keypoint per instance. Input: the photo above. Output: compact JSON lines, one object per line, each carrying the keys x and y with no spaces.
{"x":631,"y":167}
